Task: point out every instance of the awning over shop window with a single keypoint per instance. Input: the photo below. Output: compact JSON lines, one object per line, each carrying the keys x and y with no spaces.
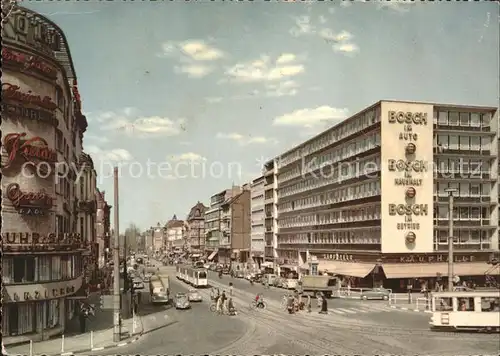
{"x":289,"y":266}
{"x":212,"y":255}
{"x":351,"y":269}
{"x":420,"y":270}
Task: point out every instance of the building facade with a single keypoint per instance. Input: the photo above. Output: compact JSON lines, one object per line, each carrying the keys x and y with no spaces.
{"x":42,"y":126}
{"x":378,"y":213}
{"x":103,"y":229}
{"x":196,"y":228}
{"x":271,"y":214}
{"x":257,"y":243}
{"x":175,"y":234}
{"x":155,"y":241}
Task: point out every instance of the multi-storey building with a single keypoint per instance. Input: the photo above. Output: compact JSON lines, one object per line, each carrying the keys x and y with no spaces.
{"x":196,"y":229}
{"x":175,"y":233}
{"x":257,"y":220}
{"x":379,"y":212}
{"x":42,"y":129}
{"x":87,"y":213}
{"x":103,"y":229}
{"x":271,"y":214}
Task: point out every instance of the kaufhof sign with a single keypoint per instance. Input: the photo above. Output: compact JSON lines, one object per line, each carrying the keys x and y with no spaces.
{"x":407,"y":179}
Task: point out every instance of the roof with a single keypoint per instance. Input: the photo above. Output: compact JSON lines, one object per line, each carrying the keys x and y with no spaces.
{"x":198,"y":208}
{"x":233,"y":199}
{"x":172,"y":223}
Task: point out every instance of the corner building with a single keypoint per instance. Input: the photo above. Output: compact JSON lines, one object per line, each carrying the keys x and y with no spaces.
{"x":42,"y":130}
{"x":367,"y":199}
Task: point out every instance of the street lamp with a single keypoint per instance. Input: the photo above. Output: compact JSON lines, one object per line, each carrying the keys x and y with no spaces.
{"x":450,"y":192}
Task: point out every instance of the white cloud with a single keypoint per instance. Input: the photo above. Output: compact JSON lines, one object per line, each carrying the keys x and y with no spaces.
{"x":398,"y":6}
{"x":286,"y":88}
{"x":194,"y":70}
{"x":196,"y":50}
{"x":113,"y":155}
{"x":187,"y":157}
{"x":286,"y":58}
{"x":244,"y":140}
{"x":302,"y":26}
{"x":347,"y":48}
{"x":138,"y":126}
{"x":309,"y":118}
{"x":327,"y":34}
{"x":322,"y":19}
{"x":263,"y":70}
{"x":213,"y":99}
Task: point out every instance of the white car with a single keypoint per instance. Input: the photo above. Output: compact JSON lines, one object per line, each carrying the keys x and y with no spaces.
{"x":182,"y":301}
{"x":194,"y":296}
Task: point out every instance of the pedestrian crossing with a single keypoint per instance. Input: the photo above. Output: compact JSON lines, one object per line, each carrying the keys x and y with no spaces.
{"x":361,"y":309}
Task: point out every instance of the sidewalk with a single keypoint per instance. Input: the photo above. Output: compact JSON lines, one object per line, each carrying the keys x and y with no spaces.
{"x":98,"y":337}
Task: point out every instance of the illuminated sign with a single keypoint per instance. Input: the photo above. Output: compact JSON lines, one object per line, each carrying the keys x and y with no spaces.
{"x":20,"y":112}
{"x":28,"y":63}
{"x":13,"y":92}
{"x":30,"y":203}
{"x":33,"y":149}
{"x":33,"y":238}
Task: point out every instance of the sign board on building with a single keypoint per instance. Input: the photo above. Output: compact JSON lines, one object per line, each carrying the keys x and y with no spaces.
{"x":407,"y":177}
{"x":28,"y":203}
{"x":34,"y":150}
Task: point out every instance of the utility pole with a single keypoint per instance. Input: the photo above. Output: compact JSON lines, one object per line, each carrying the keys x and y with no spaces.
{"x":450,"y":192}
{"x":116,"y":260}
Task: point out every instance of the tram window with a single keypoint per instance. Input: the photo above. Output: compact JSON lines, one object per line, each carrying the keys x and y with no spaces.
{"x":490,"y":304}
{"x":444,"y":304}
{"x":202,"y":275}
{"x":465,"y":304}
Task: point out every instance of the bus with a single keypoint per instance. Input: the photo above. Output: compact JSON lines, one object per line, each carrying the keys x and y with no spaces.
{"x":474,"y":311}
{"x":197,"y":277}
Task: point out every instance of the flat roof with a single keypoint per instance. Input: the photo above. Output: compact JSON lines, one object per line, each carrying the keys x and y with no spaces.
{"x":457,"y":106}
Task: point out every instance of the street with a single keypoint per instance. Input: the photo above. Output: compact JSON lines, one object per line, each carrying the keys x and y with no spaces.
{"x":351,"y":327}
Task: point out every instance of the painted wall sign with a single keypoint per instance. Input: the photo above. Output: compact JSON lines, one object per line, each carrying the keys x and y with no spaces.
{"x":13,"y":92}
{"x":31,"y":203}
{"x":33,"y":238}
{"x":402,"y":117}
{"x":32,"y":150}
{"x":28,"y":62}
{"x":20,"y":112}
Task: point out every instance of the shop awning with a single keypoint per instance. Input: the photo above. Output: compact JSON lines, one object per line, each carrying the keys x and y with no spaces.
{"x":351,"y":269}
{"x":289,"y":266}
{"x":212,"y":255}
{"x":403,"y":270}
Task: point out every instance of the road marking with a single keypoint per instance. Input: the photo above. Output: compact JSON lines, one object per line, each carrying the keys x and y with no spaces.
{"x":122,"y":344}
{"x":346,"y":310}
{"x":97,"y":349}
{"x":361,"y":310}
{"x":336,"y":311}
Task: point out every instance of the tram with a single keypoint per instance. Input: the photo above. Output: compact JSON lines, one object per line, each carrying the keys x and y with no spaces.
{"x":473,"y":311}
{"x":197,"y":277}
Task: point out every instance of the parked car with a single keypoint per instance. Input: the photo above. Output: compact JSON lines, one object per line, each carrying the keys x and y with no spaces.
{"x":239,"y":274}
{"x":194,"y":296}
{"x":376,"y":293}
{"x":182,"y":301}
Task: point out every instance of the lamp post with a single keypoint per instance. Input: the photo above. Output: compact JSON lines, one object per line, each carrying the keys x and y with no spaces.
{"x":450,"y":192}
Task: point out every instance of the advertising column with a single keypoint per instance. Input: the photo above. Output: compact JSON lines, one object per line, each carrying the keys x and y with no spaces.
{"x":407,"y":177}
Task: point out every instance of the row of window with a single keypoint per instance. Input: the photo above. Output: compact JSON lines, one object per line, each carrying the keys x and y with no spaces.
{"x":463,"y":236}
{"x":463,"y":189}
{"x":461,"y":165}
{"x":339,"y":216}
{"x":342,"y":152}
{"x":26,"y":318}
{"x":358,"y":236}
{"x":357,"y":191}
{"x":337,"y":175}
{"x":25,"y":269}
{"x":455,"y":118}
{"x":345,"y":129}
{"x":464,"y":142}
{"x":462,"y":213}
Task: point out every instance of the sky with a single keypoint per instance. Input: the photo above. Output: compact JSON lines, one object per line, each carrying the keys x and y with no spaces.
{"x":190,"y":98}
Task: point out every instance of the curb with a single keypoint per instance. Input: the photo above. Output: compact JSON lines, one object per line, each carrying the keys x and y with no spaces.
{"x":121,"y":344}
{"x":410,"y":309}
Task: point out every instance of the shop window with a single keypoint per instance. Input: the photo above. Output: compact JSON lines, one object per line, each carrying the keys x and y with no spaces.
{"x":13,"y":320}
{"x":19,"y":269}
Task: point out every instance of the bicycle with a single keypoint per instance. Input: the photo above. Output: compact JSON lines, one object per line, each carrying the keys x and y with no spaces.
{"x":255,"y":305}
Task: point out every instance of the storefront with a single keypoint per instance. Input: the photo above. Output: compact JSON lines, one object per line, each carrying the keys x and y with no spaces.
{"x":397,"y":271}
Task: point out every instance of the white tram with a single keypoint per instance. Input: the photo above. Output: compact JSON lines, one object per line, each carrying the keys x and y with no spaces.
{"x":197,"y":277}
{"x":478,"y":311}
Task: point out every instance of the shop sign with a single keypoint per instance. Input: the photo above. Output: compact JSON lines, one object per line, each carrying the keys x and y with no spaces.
{"x":34,"y":238}
{"x":28,"y":203}
{"x":408,"y":211}
{"x":337,"y":257}
{"x":435,"y":258}
{"x":13,"y":92}
{"x":28,"y":62}
{"x":32,"y":150}
{"x":21,"y":112}
{"x":47,"y":294}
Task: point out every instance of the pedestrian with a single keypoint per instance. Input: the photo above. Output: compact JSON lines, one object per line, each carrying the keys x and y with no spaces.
{"x":309,"y":306}
{"x":324,"y":305}
{"x":230,"y":289}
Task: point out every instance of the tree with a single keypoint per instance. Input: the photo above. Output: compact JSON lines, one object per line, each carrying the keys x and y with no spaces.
{"x":132,"y":234}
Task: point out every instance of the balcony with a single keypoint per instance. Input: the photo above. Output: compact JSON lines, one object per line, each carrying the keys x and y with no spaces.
{"x":87,"y":206}
{"x":469,"y":200}
{"x":472,"y":129}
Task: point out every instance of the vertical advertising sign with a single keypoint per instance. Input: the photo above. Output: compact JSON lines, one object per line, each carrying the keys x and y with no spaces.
{"x":407,"y":177}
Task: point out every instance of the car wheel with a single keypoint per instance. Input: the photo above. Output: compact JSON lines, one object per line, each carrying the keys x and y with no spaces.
{"x":364,"y":297}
